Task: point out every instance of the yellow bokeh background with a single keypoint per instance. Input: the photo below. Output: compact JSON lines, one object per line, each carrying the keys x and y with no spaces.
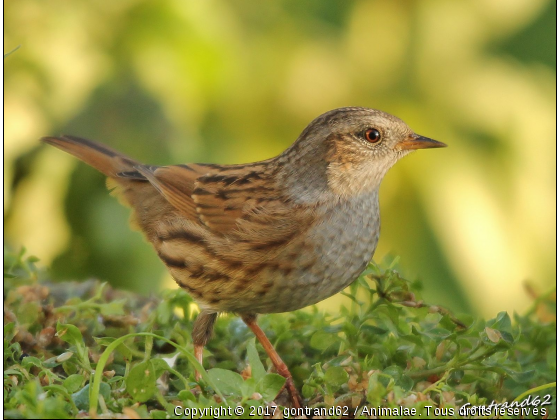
{"x":230,"y":82}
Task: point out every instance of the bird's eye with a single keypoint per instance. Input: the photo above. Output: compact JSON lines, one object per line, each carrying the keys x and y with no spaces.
{"x":372,"y":135}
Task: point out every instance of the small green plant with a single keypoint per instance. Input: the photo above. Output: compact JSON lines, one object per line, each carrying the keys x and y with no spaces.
{"x":85,"y":349}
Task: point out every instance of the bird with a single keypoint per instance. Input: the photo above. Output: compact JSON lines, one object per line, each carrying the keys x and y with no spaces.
{"x":270,"y":236}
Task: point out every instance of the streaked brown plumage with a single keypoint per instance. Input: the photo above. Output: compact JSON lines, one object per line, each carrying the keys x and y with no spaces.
{"x":270,"y":236}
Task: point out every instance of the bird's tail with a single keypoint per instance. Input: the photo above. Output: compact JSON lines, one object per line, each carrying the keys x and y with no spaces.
{"x":103,"y":158}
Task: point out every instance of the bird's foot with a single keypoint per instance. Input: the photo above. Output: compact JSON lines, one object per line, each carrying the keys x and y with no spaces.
{"x":278,"y":363}
{"x":198,"y":349}
{"x":289,"y":386}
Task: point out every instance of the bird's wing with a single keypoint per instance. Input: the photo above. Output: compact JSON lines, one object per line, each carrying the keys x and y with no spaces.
{"x":175,"y":184}
{"x":217,"y":196}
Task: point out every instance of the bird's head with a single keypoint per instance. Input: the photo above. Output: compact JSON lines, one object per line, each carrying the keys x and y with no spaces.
{"x":355,"y":147}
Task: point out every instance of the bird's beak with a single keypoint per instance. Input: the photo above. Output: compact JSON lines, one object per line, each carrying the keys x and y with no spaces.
{"x":415,"y":141}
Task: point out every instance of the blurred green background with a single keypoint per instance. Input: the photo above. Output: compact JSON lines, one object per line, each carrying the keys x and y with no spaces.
{"x":237,"y":81}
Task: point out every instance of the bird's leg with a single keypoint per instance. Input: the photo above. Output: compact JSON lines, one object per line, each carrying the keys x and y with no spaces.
{"x":201,"y":333}
{"x":281,"y":368}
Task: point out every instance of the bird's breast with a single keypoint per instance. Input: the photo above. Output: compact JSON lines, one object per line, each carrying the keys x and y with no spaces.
{"x":345,"y":242}
{"x":304,"y":268}
{"x":335,"y":250}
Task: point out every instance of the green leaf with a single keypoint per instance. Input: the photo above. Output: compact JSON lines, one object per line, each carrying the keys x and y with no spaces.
{"x":447,"y":323}
{"x":160,"y":366}
{"x":81,"y":398}
{"x":122,"y":348}
{"x":9,"y":331}
{"x":322,"y":340}
{"x":431,"y":320}
{"x":414,"y":338}
{"x":439,"y":333}
{"x":13,"y":372}
{"x":141,"y":381}
{"x":270,"y":385}
{"x":308,"y":391}
{"x":507,"y":337}
{"x":404,"y":327}
{"x":73,"y":382}
{"x":405,"y":382}
{"x":520,"y":377}
{"x":502,"y":322}
{"x":164,"y":312}
{"x":125,"y":351}
{"x":394,"y":371}
{"x":376,"y":390}
{"x":186,"y":395}
{"x":336,"y":376}
{"x":104,"y":341}
{"x":113,"y":308}
{"x":69,"y":333}
{"x":469,"y":378}
{"x":70,"y":367}
{"x":29,"y":361}
{"x":352,"y":298}
{"x":257,"y":369}
{"x":464,"y":343}
{"x":248,"y":388}
{"x":228,"y":382}
{"x":57,"y":389}
{"x":373,"y":330}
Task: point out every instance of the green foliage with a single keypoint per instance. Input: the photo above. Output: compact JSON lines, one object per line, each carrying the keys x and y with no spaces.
{"x":79,"y":349}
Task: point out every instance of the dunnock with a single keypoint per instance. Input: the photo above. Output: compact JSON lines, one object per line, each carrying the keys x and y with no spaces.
{"x":270,"y":236}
